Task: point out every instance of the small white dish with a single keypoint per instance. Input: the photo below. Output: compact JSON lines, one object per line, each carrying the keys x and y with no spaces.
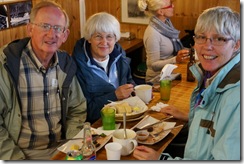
{"x":142,"y":135}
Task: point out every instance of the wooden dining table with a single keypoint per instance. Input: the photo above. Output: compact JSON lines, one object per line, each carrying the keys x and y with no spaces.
{"x":180,"y":98}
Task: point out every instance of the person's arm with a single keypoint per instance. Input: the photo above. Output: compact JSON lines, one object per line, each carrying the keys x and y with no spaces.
{"x":77,"y":109}
{"x":8,"y":149}
{"x":173,"y":111}
{"x":157,"y":63}
{"x":9,"y":118}
{"x":156,"y":46}
{"x":159,"y":50}
{"x":95,"y":100}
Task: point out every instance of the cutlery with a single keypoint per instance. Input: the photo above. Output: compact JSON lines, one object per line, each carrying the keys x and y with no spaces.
{"x":156,"y":134}
{"x":150,"y":129}
{"x":150,"y":125}
{"x":135,"y":127}
{"x":124,"y":121}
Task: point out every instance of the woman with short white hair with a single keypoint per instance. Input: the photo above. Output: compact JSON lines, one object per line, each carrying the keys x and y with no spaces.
{"x":103,"y":71}
{"x":214,"y":118}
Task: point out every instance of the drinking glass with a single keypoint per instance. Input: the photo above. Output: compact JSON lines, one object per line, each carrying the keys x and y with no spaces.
{"x":165,"y":89}
{"x":108,"y":118}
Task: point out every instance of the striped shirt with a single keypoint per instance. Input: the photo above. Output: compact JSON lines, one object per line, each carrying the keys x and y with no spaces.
{"x":41,"y":108}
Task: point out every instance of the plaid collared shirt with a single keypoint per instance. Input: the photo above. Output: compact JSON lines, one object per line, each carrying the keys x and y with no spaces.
{"x":41,"y":108}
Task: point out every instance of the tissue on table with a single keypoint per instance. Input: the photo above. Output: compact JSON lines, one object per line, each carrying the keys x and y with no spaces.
{"x":167,"y":70}
{"x":158,"y":106}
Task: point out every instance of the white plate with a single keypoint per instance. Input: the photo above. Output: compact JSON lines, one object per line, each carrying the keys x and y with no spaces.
{"x":133,"y":102}
{"x":130,"y":120}
{"x":157,"y":128}
{"x":102,"y":141}
{"x":147,"y":120}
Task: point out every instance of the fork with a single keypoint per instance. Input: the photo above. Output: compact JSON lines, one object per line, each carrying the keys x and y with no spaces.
{"x":156,"y":134}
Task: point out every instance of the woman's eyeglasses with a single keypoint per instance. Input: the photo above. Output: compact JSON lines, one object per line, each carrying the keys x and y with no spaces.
{"x":216,"y":41}
{"x":109,"y":37}
{"x":170,"y":6}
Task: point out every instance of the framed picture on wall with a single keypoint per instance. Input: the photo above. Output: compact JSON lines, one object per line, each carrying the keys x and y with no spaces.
{"x":19,"y":13}
{"x":4,"y":23}
{"x":130,"y":13}
{"x":14,"y":13}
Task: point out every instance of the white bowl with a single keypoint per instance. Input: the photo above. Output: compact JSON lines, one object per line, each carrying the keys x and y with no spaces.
{"x":142,"y":135}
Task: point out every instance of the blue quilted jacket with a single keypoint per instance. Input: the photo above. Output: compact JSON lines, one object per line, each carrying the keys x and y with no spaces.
{"x":94,"y":80}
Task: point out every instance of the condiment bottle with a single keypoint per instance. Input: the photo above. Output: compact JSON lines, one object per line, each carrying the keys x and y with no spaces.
{"x":88,"y":149}
{"x":190,"y":76}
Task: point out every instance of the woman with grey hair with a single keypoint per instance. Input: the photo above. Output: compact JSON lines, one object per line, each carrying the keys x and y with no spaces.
{"x":161,"y":39}
{"x":214,"y":118}
{"x":103,"y":71}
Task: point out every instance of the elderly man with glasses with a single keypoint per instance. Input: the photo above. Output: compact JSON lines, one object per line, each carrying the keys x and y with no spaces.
{"x":41,"y":99}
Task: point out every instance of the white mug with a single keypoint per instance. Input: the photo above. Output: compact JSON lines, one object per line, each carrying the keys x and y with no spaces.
{"x":129,"y":144}
{"x":144,"y":92}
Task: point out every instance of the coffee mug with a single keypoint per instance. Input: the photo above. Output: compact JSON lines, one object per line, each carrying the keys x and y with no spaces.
{"x":129,"y":144}
{"x":144,"y":92}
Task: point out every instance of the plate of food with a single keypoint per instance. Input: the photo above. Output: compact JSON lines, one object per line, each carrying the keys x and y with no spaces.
{"x":158,"y":133}
{"x":133,"y":106}
{"x":131,"y":119}
{"x":99,"y":137}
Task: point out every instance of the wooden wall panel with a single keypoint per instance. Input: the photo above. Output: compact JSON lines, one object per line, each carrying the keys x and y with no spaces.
{"x":186,"y":13}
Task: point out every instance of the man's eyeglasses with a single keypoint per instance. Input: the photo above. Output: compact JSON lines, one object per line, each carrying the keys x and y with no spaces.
{"x":47,"y":27}
{"x":99,"y":37}
{"x":216,"y":41}
{"x":170,"y":6}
